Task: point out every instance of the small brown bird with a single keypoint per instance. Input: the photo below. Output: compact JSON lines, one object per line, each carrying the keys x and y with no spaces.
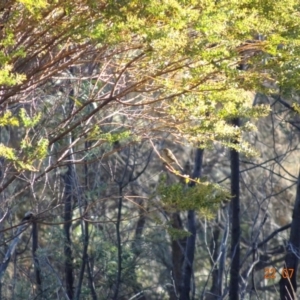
{"x":169,"y":157}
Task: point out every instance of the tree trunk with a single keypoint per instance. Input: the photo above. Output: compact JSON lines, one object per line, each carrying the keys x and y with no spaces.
{"x":37,"y":269}
{"x":214,"y":249}
{"x":191,"y":240}
{"x":288,"y":281}
{"x":178,"y":248}
{"x":68,"y":180}
{"x":235,"y":224}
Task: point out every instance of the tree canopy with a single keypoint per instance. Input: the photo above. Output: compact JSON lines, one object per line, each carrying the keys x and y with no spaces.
{"x":92,"y":90}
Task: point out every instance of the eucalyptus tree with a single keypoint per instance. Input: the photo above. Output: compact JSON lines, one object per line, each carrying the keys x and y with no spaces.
{"x":84,"y":84}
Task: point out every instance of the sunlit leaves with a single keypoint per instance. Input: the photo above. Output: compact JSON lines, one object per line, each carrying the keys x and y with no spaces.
{"x":27,"y":121}
{"x":296,"y":107}
{"x":31,"y":151}
{"x":96,"y":134}
{"x":9,"y":78}
{"x":8,"y":120}
{"x":205,"y":197}
{"x":34,"y":6}
{"x":34,"y":151}
{"x":8,"y":153}
{"x":185,"y":51}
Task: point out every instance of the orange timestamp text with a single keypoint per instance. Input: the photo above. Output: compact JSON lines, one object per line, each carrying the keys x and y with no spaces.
{"x":270,"y":273}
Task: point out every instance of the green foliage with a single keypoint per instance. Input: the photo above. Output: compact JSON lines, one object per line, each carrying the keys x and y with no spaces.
{"x":187,"y":47}
{"x":206,"y":118}
{"x":177,"y":234}
{"x":29,"y":122}
{"x":205,"y":197}
{"x":40,"y":4}
{"x":296,"y":107}
{"x":37,"y":151}
{"x":106,"y":254}
{"x":8,"y":153}
{"x":184,"y":55}
{"x":8,"y":120}
{"x":96,"y":134}
{"x":31,"y":151}
{"x":8,"y":78}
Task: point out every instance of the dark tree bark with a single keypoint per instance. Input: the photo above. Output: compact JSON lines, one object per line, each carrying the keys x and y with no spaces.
{"x":136,"y":247}
{"x":82,"y":202}
{"x":140,"y":225}
{"x":191,"y":240}
{"x":214,"y":249}
{"x":84,"y":258}
{"x":235,"y":223}
{"x":37,"y":270}
{"x":91,"y":279}
{"x":68,"y":180}
{"x":119,"y":245}
{"x":178,"y":248}
{"x":288,"y":281}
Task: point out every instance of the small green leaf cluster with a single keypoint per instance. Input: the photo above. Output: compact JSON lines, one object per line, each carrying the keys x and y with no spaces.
{"x":8,"y":153}
{"x":177,"y":234}
{"x":96,"y":134}
{"x":31,"y":151}
{"x":37,"y":151}
{"x":296,"y":107}
{"x":8,"y":120}
{"x":9,"y":78}
{"x":29,"y":122}
{"x":204,"y":197}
